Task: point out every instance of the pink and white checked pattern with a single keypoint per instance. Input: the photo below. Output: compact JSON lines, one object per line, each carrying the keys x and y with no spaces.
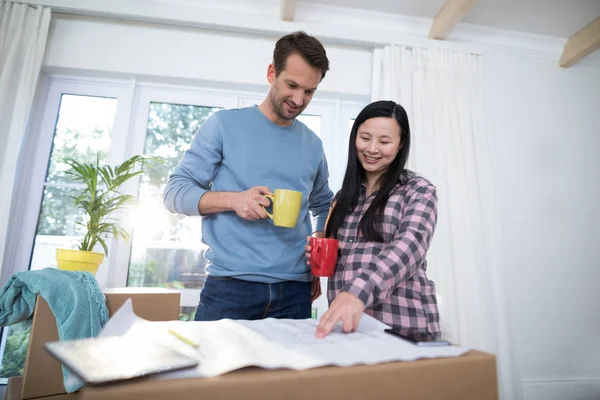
{"x":390,"y":277}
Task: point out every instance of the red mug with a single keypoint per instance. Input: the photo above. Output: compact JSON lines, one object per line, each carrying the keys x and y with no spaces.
{"x":323,"y":256}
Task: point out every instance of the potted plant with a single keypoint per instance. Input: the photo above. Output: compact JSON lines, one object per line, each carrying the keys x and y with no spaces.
{"x":100,"y":201}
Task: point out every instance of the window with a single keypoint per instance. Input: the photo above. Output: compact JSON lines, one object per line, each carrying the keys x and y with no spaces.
{"x":116,"y":119}
{"x":166,"y":249}
{"x":83,"y":131}
{"x":79,"y":119}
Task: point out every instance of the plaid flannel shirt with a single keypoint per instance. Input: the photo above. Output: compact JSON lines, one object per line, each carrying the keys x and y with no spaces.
{"x":390,"y":277}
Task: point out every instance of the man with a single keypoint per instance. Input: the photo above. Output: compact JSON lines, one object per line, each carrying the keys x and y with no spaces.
{"x":254,"y":269}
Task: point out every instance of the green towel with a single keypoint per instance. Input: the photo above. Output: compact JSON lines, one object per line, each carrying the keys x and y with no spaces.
{"x":75,"y":299}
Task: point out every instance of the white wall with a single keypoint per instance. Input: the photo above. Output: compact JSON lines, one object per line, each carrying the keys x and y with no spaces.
{"x":545,"y":139}
{"x":104,"y":46}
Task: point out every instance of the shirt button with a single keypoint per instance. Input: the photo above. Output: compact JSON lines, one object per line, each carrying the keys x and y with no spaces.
{"x":351,"y":240}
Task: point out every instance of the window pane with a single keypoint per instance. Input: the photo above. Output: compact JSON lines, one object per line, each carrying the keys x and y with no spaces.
{"x":15,"y":350}
{"x":57,"y":227}
{"x":83,"y":130}
{"x":59,"y":215}
{"x":187,"y":313}
{"x":313,"y":122}
{"x":166,"y":248}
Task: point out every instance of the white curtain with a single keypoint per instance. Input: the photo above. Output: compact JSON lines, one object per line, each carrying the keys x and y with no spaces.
{"x":23,"y":35}
{"x":442,"y":93}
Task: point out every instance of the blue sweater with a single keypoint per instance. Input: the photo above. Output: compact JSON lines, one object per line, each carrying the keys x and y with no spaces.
{"x":235,"y":150}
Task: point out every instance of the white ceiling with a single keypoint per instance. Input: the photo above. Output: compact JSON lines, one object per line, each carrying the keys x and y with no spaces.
{"x":559,"y":18}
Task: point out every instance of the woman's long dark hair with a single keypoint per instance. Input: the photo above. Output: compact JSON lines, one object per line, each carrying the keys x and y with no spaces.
{"x":347,"y":198}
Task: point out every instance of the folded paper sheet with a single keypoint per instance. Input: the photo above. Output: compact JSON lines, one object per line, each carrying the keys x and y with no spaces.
{"x":227,"y":345}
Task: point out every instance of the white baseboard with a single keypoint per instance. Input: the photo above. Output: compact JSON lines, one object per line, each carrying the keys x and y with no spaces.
{"x":561,"y":389}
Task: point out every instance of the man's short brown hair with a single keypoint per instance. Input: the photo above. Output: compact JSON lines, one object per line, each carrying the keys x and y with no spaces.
{"x":308,"y":47}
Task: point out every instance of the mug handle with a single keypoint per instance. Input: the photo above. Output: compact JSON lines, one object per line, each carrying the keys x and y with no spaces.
{"x":270,"y":197}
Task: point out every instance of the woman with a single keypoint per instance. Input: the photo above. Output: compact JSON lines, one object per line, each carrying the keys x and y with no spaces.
{"x":384,"y":218}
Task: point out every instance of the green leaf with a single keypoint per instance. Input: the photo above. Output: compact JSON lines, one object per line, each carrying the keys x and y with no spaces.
{"x":104,"y":246}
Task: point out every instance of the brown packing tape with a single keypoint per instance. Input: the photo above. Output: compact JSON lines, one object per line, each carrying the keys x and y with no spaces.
{"x":469,"y":377}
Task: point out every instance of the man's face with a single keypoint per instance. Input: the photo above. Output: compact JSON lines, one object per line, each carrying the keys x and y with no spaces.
{"x":292,"y":90}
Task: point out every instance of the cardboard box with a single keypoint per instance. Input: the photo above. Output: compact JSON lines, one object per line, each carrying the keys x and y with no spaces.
{"x":42,"y":375}
{"x":153,"y":304}
{"x":470,"y":377}
{"x":15,"y":386}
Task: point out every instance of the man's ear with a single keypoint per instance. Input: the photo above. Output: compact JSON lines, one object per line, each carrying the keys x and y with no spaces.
{"x":271,"y":74}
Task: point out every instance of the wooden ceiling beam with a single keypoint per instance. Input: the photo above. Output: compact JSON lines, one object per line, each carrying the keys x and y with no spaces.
{"x":449,"y":16}
{"x":288,"y":9}
{"x":581,"y":44}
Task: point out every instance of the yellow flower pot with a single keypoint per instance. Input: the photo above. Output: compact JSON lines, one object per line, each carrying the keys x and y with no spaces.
{"x":79,"y":260}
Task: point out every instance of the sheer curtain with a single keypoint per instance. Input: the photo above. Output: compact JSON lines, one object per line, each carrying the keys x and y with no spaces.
{"x":442,"y":93}
{"x":23,"y":35}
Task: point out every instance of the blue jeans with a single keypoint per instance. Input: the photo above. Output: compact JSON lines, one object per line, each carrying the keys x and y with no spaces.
{"x":226,"y":297}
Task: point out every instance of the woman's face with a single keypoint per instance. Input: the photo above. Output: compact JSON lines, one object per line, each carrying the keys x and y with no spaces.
{"x":377,"y":143}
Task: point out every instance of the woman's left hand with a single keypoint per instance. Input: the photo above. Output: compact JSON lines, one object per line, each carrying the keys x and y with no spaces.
{"x":346,"y":308}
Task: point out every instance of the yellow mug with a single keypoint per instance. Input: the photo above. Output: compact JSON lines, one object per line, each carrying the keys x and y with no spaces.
{"x":286,"y":207}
